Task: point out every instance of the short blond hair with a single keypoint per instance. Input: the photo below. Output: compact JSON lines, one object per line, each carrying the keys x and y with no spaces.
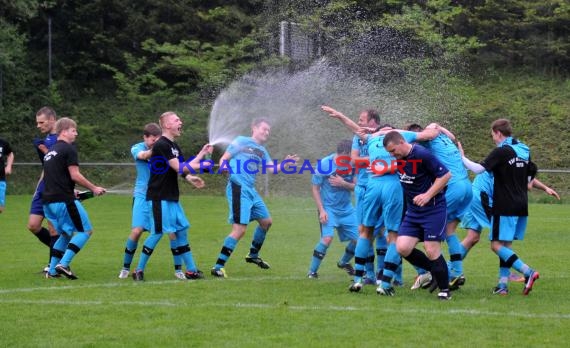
{"x":64,"y":123}
{"x":163,"y":117}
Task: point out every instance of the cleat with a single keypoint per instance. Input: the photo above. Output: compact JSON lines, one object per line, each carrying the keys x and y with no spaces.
{"x":513,"y":277}
{"x":66,"y":271}
{"x":461,"y":281}
{"x":312,"y":275}
{"x":385,"y":291}
{"x":432,"y":286}
{"x":258,"y":261}
{"x":46,"y":269}
{"x":180,"y":275}
{"x":454,"y":283}
{"x":347,"y":267}
{"x":124,"y":274}
{"x":444,"y":295}
{"x":355,"y":287}
{"x":218,"y":272}
{"x":529,"y":282}
{"x":138,"y":275}
{"x":52,"y":276}
{"x":500,"y":291}
{"x":422,"y":281}
{"x":194,"y":275}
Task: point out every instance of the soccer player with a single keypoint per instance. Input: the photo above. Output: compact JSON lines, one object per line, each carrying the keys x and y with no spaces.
{"x":368,"y":119}
{"x":140,"y":221}
{"x":510,"y":165}
{"x":332,"y":195}
{"x":64,"y":211}
{"x":458,"y":195}
{"x":6,"y":161}
{"x":423,"y":178}
{"x":163,"y":195}
{"x":45,"y":122}
{"x":243,"y":159}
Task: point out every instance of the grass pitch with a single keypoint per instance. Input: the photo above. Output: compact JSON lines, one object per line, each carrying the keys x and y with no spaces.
{"x":275,"y":307}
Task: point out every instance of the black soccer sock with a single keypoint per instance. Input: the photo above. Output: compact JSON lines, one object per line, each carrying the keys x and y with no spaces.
{"x":418,"y":259}
{"x":440,"y":273}
{"x":44,"y":237}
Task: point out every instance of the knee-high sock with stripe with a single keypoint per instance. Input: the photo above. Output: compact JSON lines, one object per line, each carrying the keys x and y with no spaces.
{"x":75,"y":245}
{"x":227,"y":249}
{"x":381,"y":249}
{"x":318,"y":256}
{"x":455,"y":255}
{"x":57,"y":251}
{"x":391,"y":263}
{"x":130,"y":249}
{"x":148,"y":247}
{"x":257,"y":242}
{"x":504,"y":273}
{"x":360,"y":257}
{"x":512,"y":260}
{"x":176,"y":258}
{"x":348,"y":253}
{"x":369,"y":266}
{"x":185,"y":251}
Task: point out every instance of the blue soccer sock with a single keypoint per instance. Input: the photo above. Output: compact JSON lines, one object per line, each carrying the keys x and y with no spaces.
{"x":177,"y":260}
{"x":512,"y":260}
{"x":148,"y":247}
{"x":360,"y":256}
{"x":391,"y":263}
{"x":399,"y":275}
{"x":227,"y":249}
{"x":130,"y":249}
{"x":257,"y":242}
{"x":318,"y":255}
{"x":348,"y":253}
{"x":504,"y":273}
{"x":454,"y":246}
{"x":75,"y":245}
{"x":57,"y":251}
{"x":381,"y":249}
{"x":369,"y":266}
{"x":185,"y":251}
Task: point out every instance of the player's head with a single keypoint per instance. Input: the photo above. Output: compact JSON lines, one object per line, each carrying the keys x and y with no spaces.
{"x":501,"y":129}
{"x":344,"y":147}
{"x":66,"y":129}
{"x":151,"y":133}
{"x":260,"y":130}
{"x":369,"y":118}
{"x":396,"y":145}
{"x":171,"y":124}
{"x":413,"y":127}
{"x":45,"y":120}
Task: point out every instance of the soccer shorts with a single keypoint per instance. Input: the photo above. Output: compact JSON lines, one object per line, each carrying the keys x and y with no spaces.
{"x":508,"y":228}
{"x":37,"y":206}
{"x":245,"y":204}
{"x":425,"y":223}
{"x":383,"y":204}
{"x":141,"y":214}
{"x":3,"y":193}
{"x":477,"y":216}
{"x":346,"y":226}
{"x":458,"y":197}
{"x":167,"y":217}
{"x":68,"y":217}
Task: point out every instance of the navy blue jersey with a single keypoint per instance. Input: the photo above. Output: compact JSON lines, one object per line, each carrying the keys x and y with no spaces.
{"x":419,"y":173}
{"x":49,"y":141}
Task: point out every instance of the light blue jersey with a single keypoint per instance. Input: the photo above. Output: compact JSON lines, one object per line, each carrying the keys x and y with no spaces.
{"x":362,"y":147}
{"x":143,"y":171}
{"x":448,"y":153}
{"x":248,"y":159}
{"x":335,"y":199}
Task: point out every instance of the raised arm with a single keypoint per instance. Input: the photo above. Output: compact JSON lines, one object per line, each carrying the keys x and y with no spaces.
{"x":348,"y":123}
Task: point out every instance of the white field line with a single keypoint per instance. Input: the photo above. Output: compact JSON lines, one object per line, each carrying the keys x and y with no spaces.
{"x":467,"y":312}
